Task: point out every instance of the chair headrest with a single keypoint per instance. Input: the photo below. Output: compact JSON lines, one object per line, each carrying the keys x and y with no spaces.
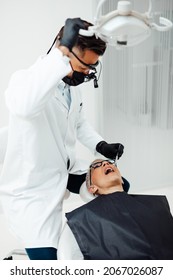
{"x":84,"y":193}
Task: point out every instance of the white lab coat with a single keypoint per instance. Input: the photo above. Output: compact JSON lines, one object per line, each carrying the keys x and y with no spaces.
{"x":42,"y":137}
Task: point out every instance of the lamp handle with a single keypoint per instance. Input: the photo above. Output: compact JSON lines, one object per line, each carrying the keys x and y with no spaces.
{"x":166,"y":24}
{"x":88,"y":33}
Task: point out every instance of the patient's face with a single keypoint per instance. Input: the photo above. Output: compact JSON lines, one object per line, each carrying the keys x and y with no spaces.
{"x":105,"y":174}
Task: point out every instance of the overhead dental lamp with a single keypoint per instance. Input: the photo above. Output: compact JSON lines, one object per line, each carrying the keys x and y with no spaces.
{"x":124,"y":27}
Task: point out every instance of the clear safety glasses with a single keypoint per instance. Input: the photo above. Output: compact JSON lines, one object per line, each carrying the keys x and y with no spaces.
{"x":100,"y":163}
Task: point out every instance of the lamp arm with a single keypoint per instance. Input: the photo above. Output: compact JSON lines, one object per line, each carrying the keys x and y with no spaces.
{"x":98,"y":10}
{"x":91,"y":30}
{"x":144,"y":17}
{"x":101,"y":2}
{"x":149,"y":9}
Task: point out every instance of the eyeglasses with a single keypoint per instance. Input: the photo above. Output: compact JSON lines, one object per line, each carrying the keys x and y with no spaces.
{"x":90,"y":66}
{"x":100,"y":163}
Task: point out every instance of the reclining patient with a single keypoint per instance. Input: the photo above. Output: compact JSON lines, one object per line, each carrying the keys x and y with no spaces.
{"x":120,"y":226}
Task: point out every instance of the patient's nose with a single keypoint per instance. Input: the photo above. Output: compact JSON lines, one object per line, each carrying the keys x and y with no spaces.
{"x":106,"y":163}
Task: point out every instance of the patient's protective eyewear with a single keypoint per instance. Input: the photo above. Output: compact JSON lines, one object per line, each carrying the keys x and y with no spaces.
{"x":100,"y":163}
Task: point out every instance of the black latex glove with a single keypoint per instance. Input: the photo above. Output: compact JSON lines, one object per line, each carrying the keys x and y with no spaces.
{"x":110,"y":150}
{"x":71,"y":32}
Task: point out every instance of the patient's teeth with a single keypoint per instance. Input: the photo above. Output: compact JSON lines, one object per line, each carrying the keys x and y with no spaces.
{"x":108,"y":170}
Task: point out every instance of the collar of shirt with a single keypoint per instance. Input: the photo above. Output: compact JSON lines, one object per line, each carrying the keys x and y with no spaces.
{"x":65,"y":91}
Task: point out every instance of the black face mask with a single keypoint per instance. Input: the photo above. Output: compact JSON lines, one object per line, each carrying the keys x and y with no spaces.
{"x":79,"y":78}
{"x":76,"y":79}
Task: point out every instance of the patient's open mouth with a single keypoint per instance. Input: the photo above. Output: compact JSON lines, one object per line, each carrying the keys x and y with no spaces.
{"x":108,"y":170}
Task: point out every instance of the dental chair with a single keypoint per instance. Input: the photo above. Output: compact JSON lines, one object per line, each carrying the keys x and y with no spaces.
{"x":68,"y":248}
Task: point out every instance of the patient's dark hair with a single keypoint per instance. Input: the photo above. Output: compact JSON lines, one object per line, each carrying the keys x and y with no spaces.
{"x":91,"y":43}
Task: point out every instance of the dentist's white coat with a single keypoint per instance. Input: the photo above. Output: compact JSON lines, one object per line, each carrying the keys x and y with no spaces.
{"x":42,"y":136}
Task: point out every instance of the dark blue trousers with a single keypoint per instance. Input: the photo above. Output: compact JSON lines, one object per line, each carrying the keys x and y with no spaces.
{"x":45,"y":253}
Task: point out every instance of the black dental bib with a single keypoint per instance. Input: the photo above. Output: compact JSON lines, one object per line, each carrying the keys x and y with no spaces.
{"x":120,"y":226}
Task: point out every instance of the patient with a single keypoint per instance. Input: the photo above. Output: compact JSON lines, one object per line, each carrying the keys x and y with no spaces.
{"x":117,"y":225}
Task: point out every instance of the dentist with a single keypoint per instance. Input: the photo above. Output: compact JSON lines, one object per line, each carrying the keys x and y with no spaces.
{"x":46,"y":119}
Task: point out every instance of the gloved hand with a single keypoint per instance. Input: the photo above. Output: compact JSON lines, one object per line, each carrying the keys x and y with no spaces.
{"x":110,"y":150}
{"x":71,"y":32}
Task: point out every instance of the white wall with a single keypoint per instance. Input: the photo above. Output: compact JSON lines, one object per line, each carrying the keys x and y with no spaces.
{"x":137,"y":103}
{"x":27,"y":29}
